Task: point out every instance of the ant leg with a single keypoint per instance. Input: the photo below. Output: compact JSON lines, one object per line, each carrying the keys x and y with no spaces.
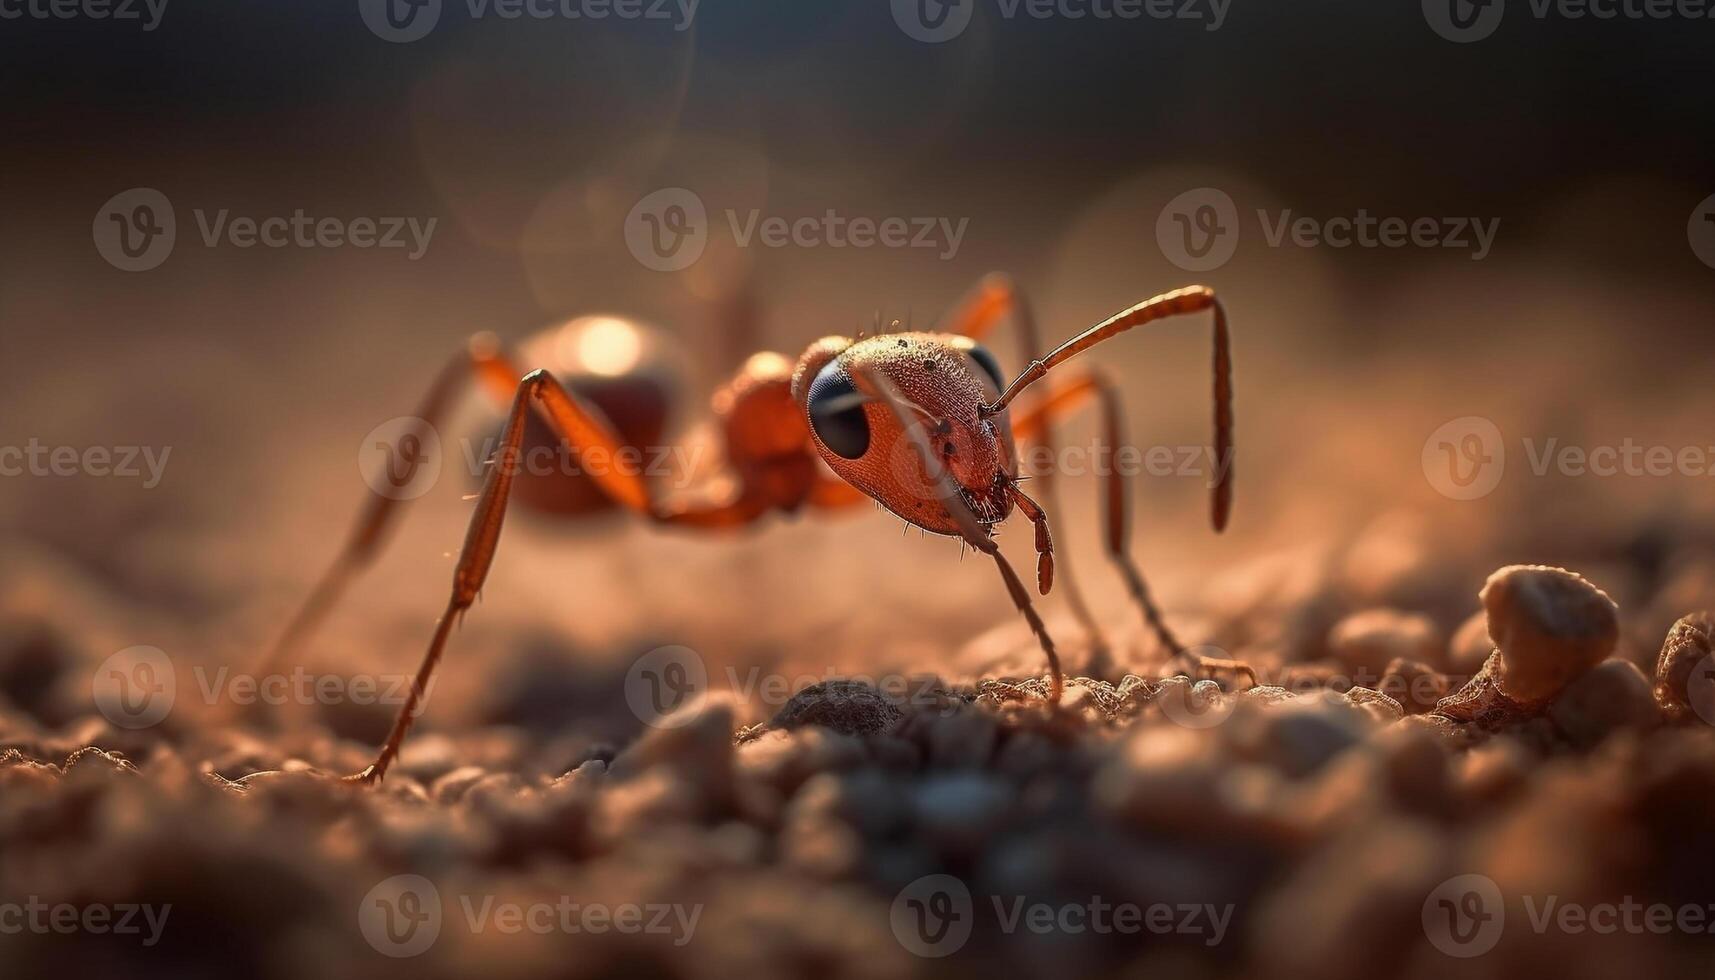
{"x":994,"y":299}
{"x":972,"y":530}
{"x":1191,"y":299}
{"x":1044,"y":539}
{"x":483,"y":359}
{"x":583,"y":426}
{"x":1116,"y":504}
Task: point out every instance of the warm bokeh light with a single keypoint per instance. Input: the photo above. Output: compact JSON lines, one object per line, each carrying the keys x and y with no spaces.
{"x":601,"y":345}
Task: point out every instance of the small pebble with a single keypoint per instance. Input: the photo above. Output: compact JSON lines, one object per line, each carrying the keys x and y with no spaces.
{"x":1482,"y":702}
{"x":1685,"y":671}
{"x":1300,"y":736}
{"x":847,"y":707}
{"x":696,"y":739}
{"x":1611,"y":696}
{"x":1366,"y":642}
{"x":450,"y":787}
{"x":1417,"y":686}
{"x":1374,"y":703}
{"x":1550,"y":625}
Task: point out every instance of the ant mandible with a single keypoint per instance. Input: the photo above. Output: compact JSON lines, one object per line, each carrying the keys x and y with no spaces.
{"x":917,"y":421}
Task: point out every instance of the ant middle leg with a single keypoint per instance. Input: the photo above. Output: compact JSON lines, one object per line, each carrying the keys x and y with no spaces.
{"x":1115,"y":504}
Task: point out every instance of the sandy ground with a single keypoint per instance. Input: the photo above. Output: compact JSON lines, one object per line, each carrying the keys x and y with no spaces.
{"x":1151,"y":827}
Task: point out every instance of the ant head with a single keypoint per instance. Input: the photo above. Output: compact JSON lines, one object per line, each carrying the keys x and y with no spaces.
{"x":945,"y":379}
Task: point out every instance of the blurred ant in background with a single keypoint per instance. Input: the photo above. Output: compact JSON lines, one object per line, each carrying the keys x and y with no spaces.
{"x":917,"y":421}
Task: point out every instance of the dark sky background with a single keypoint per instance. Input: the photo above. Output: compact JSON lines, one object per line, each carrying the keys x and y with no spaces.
{"x":1334,"y":105}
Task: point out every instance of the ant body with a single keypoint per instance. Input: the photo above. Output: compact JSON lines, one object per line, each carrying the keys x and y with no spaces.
{"x":917,"y":421}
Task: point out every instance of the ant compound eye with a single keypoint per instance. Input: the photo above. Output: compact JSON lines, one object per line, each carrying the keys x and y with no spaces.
{"x":991,"y":367}
{"x":836,"y":412}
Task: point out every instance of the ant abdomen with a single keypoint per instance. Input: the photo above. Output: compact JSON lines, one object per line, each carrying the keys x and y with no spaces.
{"x":621,"y":366}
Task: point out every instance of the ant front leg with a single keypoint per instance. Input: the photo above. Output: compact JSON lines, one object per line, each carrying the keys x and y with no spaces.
{"x":996,"y":298}
{"x":970,"y":529}
{"x":583,"y":427}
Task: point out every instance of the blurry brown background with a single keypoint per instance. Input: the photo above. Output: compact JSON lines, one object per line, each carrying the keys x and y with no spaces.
{"x":1060,"y":141}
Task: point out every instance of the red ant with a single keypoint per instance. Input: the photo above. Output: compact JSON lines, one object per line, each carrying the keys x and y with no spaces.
{"x":917,"y":421}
